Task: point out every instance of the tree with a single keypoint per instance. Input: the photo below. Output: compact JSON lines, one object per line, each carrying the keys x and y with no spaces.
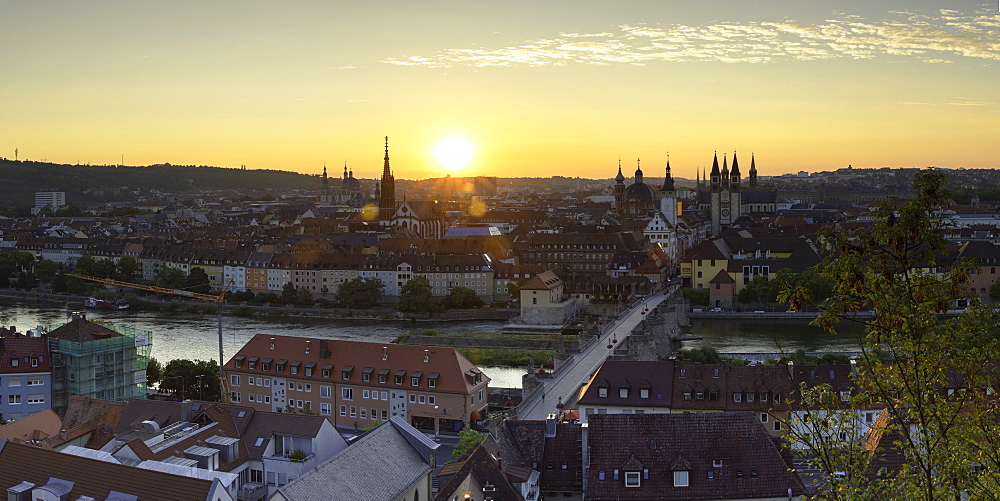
{"x":360,"y":293}
{"x":514,"y":289}
{"x":206,"y":387}
{"x":995,"y":291}
{"x":154,"y":372}
{"x":467,"y":439}
{"x":696,"y":296}
{"x":46,"y":269}
{"x":702,"y":355}
{"x":128,"y":269}
{"x":170,"y":277}
{"x":416,"y":297}
{"x":911,"y":357}
{"x":289,"y":294}
{"x":462,"y":297}
{"x":198,"y":281}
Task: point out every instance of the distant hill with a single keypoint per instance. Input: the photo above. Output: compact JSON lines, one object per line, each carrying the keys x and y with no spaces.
{"x":94,"y":183}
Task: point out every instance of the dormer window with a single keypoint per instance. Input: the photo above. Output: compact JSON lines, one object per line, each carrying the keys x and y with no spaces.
{"x":309,"y":371}
{"x":602,"y":392}
{"x":623,"y":392}
{"x":279,"y":368}
{"x":251,"y":365}
{"x":346,"y":372}
{"x":633,"y":479}
{"x":681,"y":478}
{"x":264,"y":366}
{"x":643,"y":392}
{"x":432,"y":380}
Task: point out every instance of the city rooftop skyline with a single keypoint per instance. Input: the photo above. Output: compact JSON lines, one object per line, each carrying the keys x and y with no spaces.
{"x":534,"y":90}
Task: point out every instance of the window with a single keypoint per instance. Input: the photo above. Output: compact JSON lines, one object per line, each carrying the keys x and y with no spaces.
{"x":845,"y":396}
{"x":763,"y":417}
{"x":346,"y":375}
{"x":684,"y":373}
{"x":715,"y":373}
{"x":267,"y":383}
{"x":643,"y":392}
{"x":238,"y":363}
{"x":267,"y":399}
{"x":687,"y":395}
{"x":366,"y":394}
{"x":264,"y":366}
{"x":422,"y":399}
{"x":777,"y":398}
{"x":414,"y":381}
{"x":236,"y":396}
{"x":34,"y":381}
{"x":432,"y":382}
{"x":250,"y":381}
{"x":309,"y":371}
{"x":681,"y":479}
{"x":632,"y":479}
{"x":602,"y":392}
{"x":431,"y":399}
{"x":381,"y":378}
{"x":279,"y":368}
{"x":366,"y":377}
{"x":699,"y":395}
{"x":234,"y":379}
{"x":398,"y":380}
{"x":14,"y":399}
{"x":777,"y":425}
{"x":364,"y":413}
{"x":385,"y":415}
{"x":251,"y":365}
{"x":36,"y":399}
{"x":385,"y":395}
{"x":250,"y":397}
{"x":737,"y":396}
{"x":413,"y":398}
{"x":293,"y":369}
{"x":343,"y":411}
{"x":347,"y":393}
{"x":354,"y":411}
{"x":600,"y":476}
{"x":324,"y":391}
{"x":750,"y":396}
{"x":309,"y":388}
{"x":480,"y":395}
{"x":326,"y":373}
{"x":300,"y":386}
{"x":14,"y":381}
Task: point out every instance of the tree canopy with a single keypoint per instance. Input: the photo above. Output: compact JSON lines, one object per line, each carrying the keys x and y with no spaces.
{"x":935,"y":377}
{"x":361,"y":293}
{"x":416,"y":297}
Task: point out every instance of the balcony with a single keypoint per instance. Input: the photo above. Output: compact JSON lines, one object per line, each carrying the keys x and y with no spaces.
{"x":251,"y":492}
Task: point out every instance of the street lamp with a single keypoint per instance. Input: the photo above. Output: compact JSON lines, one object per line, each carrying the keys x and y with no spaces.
{"x":182,"y":384}
{"x":435,"y":422}
{"x":198,"y":378}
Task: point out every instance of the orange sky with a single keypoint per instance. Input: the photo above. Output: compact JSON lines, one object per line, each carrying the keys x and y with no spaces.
{"x":540,"y":90}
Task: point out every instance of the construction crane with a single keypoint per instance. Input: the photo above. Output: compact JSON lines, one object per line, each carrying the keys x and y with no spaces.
{"x":217,"y":299}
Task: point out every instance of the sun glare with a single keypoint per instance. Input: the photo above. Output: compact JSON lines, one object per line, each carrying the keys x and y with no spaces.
{"x":453,"y":153}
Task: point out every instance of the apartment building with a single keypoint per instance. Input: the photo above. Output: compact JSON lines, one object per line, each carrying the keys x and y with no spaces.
{"x":353,"y":384}
{"x":25,"y":376}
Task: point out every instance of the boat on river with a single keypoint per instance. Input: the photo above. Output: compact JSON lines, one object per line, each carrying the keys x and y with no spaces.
{"x":104,"y":304}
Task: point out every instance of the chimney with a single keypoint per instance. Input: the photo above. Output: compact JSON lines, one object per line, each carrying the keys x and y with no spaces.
{"x":186,"y":411}
{"x":427,"y":355}
{"x":854,"y":366}
{"x":62,"y":434}
{"x":307,"y":345}
{"x":272,"y":343}
{"x":550,"y":426}
{"x":385,"y":353}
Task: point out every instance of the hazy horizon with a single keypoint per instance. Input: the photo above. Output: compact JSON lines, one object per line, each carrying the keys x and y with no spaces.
{"x":564,"y":87}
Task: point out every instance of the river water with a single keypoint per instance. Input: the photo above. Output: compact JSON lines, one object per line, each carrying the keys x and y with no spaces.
{"x":195,"y":336}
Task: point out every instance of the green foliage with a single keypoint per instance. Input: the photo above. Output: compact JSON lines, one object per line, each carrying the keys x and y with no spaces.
{"x":288,"y":293}
{"x":995,"y":291}
{"x":361,"y":293}
{"x":467,"y":439}
{"x":507,"y":357}
{"x":812,"y":286}
{"x":702,"y":355}
{"x":514,"y":289}
{"x":297,"y":456}
{"x":697,"y":297}
{"x":170,"y":278}
{"x":374,"y":424}
{"x":462,"y":297}
{"x":154,"y":372}
{"x":910,"y":357}
{"x":13,"y":264}
{"x":197,"y":281}
{"x":416,"y":297}
{"x":128,"y":269}
{"x":207,"y":387}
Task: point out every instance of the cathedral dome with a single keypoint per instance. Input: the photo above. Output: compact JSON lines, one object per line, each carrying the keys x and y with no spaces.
{"x":640,"y":192}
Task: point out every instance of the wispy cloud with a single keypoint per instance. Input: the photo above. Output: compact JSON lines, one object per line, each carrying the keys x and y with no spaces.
{"x":940,"y":38}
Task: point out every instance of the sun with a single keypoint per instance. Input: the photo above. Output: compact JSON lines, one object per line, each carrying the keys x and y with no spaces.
{"x":454,"y":153}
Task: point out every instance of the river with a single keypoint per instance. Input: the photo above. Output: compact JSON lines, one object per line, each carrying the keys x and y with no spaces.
{"x":195,"y":336}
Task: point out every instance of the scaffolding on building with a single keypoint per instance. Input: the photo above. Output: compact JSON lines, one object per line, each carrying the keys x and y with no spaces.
{"x":113,"y":368}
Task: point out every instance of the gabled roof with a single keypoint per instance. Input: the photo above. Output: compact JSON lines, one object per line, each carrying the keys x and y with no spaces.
{"x":481,"y":465}
{"x":657,"y":377}
{"x":750,"y":466}
{"x":80,"y":330}
{"x":95,"y":478}
{"x":381,"y":464}
{"x":722,"y":277}
{"x":546,"y":280}
{"x":37,"y":426}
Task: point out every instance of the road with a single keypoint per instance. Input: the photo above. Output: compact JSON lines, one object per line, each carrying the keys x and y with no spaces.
{"x":568,"y":380}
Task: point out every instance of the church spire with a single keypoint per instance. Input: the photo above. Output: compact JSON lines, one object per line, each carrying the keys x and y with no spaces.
{"x":387,"y":198}
{"x":753,"y":172}
{"x":715,"y":171}
{"x":638,"y":171}
{"x":668,"y":181}
{"x":736,"y":166}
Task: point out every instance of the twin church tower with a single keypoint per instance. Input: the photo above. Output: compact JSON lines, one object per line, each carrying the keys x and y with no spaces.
{"x":725,"y":194}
